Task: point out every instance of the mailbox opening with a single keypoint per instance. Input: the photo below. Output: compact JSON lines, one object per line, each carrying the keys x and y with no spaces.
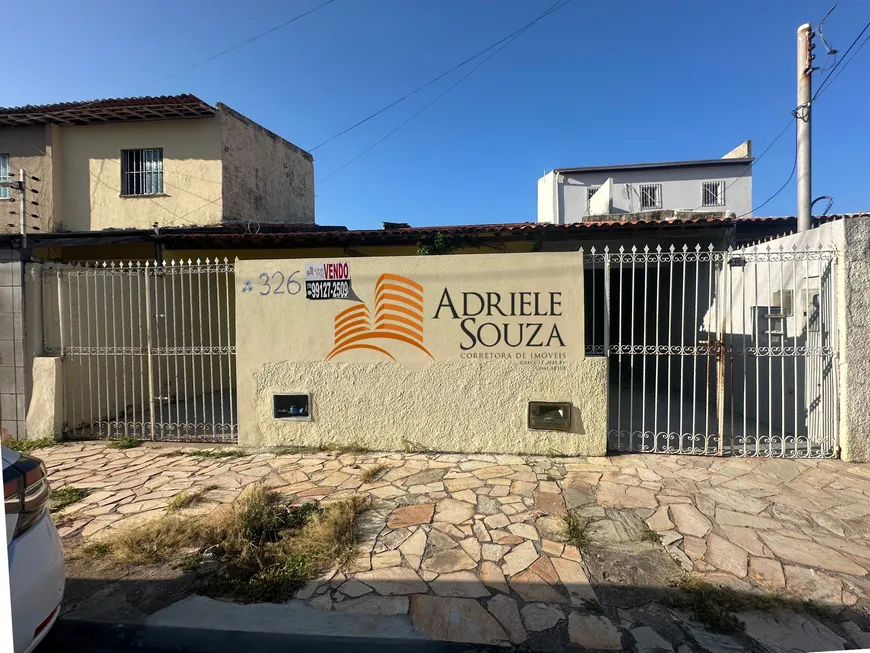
{"x":550,"y":415}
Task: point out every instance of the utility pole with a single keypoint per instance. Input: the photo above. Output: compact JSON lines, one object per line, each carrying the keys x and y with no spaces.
{"x":802,"y":115}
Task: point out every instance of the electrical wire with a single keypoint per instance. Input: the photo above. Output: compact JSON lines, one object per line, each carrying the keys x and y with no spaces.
{"x":555,"y":7}
{"x":837,"y":65}
{"x":781,"y":188}
{"x":758,"y":158}
{"x":217,"y":55}
{"x":839,"y":72}
{"x":513,"y":34}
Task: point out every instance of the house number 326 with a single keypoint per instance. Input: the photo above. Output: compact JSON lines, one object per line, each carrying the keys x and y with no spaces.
{"x":275,"y":284}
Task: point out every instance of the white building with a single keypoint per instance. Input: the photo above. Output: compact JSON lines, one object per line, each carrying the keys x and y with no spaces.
{"x":568,"y":195}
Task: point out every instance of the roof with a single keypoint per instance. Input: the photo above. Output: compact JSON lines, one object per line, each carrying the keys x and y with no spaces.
{"x":299,"y":235}
{"x":161,"y":107}
{"x":701,"y":163}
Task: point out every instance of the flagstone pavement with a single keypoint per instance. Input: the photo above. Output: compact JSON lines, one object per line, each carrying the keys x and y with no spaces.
{"x":472,"y":548}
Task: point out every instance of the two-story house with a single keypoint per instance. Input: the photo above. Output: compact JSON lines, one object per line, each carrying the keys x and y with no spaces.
{"x":569,"y":195}
{"x":128,"y":163}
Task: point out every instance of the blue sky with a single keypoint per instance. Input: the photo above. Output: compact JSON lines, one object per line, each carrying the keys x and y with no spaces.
{"x":595,"y":83}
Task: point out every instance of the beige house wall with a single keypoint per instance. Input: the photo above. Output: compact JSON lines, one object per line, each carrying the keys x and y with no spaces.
{"x":29,"y":147}
{"x":265,"y":178}
{"x":89,"y":160}
{"x":450,"y":393}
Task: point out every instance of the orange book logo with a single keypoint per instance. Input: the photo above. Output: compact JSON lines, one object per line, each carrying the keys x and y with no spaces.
{"x":398,"y":317}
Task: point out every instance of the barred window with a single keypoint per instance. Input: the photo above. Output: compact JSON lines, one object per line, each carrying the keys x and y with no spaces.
{"x":142,"y":172}
{"x":650,"y":196}
{"x":4,"y":175}
{"x":590,"y":191}
{"x":713,"y":193}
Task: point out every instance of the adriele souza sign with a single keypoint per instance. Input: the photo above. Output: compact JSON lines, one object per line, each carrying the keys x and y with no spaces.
{"x":520,"y":307}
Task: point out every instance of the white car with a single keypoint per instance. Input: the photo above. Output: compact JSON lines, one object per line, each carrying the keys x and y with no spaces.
{"x":36,"y":574}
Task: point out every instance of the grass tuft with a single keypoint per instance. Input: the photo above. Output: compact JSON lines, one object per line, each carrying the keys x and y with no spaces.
{"x":289,"y":449}
{"x":649,"y":535}
{"x":576,"y":526}
{"x":186,"y":499}
{"x":215,"y":453}
{"x":716,"y":605}
{"x":372,"y":473}
{"x":352,"y":447}
{"x":28,"y":446}
{"x":125,"y":443}
{"x":264,"y":547}
{"x":409,"y":446}
{"x":66,"y":496}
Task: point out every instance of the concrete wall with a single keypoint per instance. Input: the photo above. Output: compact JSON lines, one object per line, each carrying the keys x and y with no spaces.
{"x":681,"y":189}
{"x":548,"y":210}
{"x":29,"y":147}
{"x":454,"y":393}
{"x":12,"y":377}
{"x":854,"y":322}
{"x":89,"y":160}
{"x":265,"y":178}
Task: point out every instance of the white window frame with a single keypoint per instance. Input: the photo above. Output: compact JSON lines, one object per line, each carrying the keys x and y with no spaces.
{"x":650,"y":196}
{"x":590,"y":191}
{"x":717,"y":188}
{"x":146,"y":177}
{"x":5,"y":175}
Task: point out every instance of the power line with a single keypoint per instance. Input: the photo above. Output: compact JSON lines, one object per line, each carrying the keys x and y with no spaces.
{"x":247,"y":42}
{"x":781,"y":188}
{"x":839,"y":72}
{"x":756,"y":159}
{"x":217,"y":55}
{"x":512,"y":35}
{"x":558,"y":5}
{"x":837,"y":65}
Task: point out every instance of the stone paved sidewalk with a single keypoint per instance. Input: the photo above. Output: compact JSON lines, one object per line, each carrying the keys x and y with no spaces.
{"x":472,"y":547}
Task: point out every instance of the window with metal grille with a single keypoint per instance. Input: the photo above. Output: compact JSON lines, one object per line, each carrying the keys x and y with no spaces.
{"x":590,"y":191}
{"x":4,"y":175}
{"x":650,"y":196}
{"x":713,"y":193}
{"x":142,"y":172}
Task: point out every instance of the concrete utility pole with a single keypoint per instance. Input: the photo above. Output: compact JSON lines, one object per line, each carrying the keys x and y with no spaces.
{"x":802,"y":114}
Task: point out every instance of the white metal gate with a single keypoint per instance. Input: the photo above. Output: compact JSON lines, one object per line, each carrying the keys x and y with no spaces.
{"x":148,"y":349}
{"x":717,"y":352}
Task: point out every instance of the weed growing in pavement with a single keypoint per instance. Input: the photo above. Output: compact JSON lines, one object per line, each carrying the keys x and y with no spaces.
{"x":99,"y":549}
{"x":263,"y":548}
{"x":372,"y":473}
{"x":215,"y":453}
{"x":716,"y":605}
{"x":28,"y":446}
{"x":352,"y":447}
{"x":188,"y":498}
{"x":66,"y":496}
{"x":409,"y":446}
{"x":649,"y":535}
{"x":124,"y":443}
{"x":289,"y":449}
{"x":576,"y":525}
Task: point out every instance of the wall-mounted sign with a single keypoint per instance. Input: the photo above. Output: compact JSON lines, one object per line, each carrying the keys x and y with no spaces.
{"x":524,"y":309}
{"x":327,"y":280}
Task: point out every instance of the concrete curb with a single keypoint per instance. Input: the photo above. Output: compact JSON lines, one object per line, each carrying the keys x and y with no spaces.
{"x":79,"y":635}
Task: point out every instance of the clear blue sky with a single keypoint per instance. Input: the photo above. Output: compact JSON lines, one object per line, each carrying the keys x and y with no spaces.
{"x":595,"y":83}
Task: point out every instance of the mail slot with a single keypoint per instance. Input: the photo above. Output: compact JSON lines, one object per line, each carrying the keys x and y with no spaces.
{"x":296,"y":407}
{"x":550,"y":415}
